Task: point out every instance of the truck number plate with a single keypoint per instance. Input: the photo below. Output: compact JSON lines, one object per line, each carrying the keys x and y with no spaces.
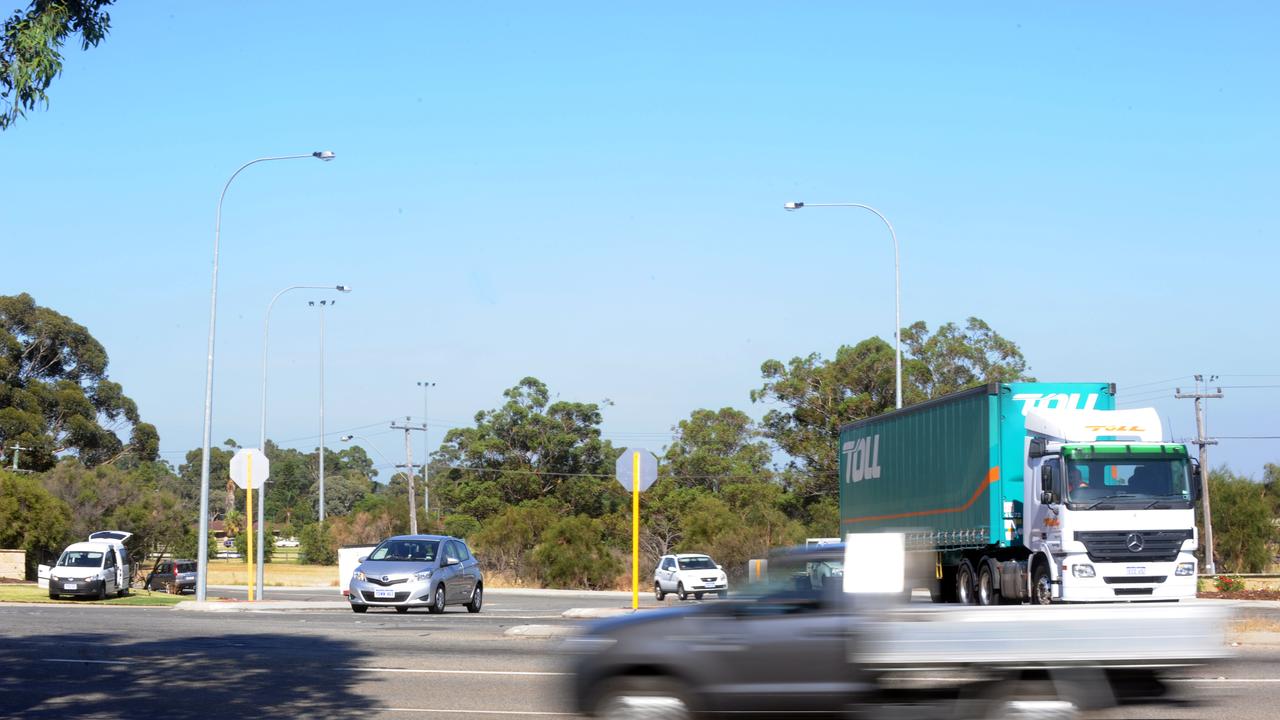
{"x":69,"y":586}
{"x":1136,"y":570}
{"x":384,"y":593}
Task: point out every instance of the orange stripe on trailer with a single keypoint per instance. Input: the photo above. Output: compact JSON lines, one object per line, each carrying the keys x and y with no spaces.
{"x":993,"y":475}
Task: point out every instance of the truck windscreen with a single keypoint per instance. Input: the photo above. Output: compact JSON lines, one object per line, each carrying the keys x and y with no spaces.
{"x":1126,"y":480}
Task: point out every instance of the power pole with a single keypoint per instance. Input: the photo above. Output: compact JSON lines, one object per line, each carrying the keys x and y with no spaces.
{"x":17,"y":449}
{"x":1204,"y":443}
{"x":408,"y":455}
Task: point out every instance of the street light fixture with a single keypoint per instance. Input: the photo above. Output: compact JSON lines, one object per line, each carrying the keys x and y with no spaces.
{"x":262,"y":433}
{"x":897,"y":289}
{"x":203,"y":553}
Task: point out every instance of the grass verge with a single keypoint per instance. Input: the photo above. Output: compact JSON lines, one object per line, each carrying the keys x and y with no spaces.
{"x":29,"y":593}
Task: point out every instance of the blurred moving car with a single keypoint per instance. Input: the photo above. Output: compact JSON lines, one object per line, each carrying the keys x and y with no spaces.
{"x":164,"y":576}
{"x":805,"y":647}
{"x":407,"y":571}
{"x":688,"y":574}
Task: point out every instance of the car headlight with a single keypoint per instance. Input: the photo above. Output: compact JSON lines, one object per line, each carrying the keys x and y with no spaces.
{"x":1082,"y":571}
{"x":1186,"y":568}
{"x":424,"y":575}
{"x":358,"y":575}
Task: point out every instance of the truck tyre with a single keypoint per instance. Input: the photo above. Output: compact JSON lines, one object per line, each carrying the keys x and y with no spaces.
{"x":966,"y":581}
{"x":987,"y":593}
{"x":658,"y":594}
{"x":680,"y":593}
{"x":643,"y":696}
{"x":1041,"y":585}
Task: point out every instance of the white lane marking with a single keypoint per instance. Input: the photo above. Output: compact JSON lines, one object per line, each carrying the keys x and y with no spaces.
{"x":453,"y":672}
{"x":92,"y":662}
{"x":1224,"y":680}
{"x":479,"y":712}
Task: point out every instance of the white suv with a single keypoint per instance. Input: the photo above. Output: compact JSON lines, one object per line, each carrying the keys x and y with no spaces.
{"x":688,"y":574}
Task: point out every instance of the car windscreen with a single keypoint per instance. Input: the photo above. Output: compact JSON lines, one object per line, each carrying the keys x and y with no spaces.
{"x":697,"y":563}
{"x":80,"y":558}
{"x":402,"y":550}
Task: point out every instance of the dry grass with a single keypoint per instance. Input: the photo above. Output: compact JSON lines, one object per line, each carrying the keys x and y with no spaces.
{"x":222,"y":572}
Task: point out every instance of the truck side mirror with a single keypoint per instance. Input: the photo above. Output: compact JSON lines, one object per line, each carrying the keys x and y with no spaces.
{"x":1047,"y":494}
{"x":1197,"y":481}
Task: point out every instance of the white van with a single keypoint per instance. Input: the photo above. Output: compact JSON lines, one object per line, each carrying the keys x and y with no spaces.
{"x":98,"y":568}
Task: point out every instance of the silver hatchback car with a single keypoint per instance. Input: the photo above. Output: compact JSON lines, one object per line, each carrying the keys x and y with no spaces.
{"x":408,"y":571}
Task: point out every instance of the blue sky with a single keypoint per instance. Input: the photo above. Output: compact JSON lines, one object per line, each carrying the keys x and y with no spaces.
{"x":592,"y":195}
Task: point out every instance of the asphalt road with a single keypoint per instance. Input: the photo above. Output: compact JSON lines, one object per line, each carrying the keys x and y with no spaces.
{"x":69,"y":661}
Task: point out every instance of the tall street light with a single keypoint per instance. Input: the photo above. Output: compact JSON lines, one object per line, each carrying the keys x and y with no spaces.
{"x":897,"y":289}
{"x":426,"y":449}
{"x":262,"y":434}
{"x":203,"y":554}
{"x":321,"y":304}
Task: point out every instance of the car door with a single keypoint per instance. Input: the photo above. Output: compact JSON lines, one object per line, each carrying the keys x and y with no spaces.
{"x":110,"y":572}
{"x":666,"y":574}
{"x":470,"y":570}
{"x":454,"y":580}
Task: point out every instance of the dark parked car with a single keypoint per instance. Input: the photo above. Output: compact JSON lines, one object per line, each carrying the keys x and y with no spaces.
{"x":163,"y":576}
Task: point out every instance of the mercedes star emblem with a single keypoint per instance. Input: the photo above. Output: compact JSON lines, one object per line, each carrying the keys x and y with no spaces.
{"x":1134,"y":542}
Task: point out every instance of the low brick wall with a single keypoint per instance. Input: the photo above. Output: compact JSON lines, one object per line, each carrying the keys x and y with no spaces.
{"x":13,"y":564}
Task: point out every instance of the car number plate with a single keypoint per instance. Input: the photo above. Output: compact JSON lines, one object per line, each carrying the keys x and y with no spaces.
{"x":1136,"y":570}
{"x":70,"y":586}
{"x":384,"y":593}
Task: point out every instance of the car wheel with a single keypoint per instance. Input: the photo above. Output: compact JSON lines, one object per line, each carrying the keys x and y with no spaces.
{"x":359,"y":608}
{"x":658,"y":593}
{"x":477,"y":600}
{"x":1041,"y":585}
{"x":965,"y":582}
{"x":625,"y":698}
{"x":402,"y":610}
{"x":53,"y":596}
{"x":437,"y":601}
{"x":102,"y":592}
{"x":697,"y":596}
{"x":680,"y":593}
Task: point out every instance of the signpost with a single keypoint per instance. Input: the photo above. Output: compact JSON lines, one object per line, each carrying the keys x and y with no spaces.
{"x":244,"y":465}
{"x":637,"y":469}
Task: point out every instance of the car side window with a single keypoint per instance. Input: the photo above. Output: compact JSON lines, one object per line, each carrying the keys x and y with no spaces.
{"x":668,"y":564}
{"x":451,"y":552}
{"x":464,"y":553}
{"x":111,"y":560}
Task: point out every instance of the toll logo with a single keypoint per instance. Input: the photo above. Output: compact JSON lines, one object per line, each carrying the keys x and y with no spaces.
{"x":1056,"y":401}
{"x":862,"y":458}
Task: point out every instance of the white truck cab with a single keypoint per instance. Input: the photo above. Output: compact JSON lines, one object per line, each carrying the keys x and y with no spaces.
{"x":98,"y":567}
{"x":1113,"y":510}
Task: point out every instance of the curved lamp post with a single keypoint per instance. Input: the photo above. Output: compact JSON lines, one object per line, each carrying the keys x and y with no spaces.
{"x":262,"y":433}
{"x":897,"y":289}
{"x":203,"y":555}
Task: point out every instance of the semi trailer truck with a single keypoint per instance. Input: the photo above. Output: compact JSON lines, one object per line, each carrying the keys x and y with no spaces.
{"x":1028,"y":492}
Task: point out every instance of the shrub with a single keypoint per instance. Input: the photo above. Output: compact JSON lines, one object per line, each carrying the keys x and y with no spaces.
{"x":318,"y":547}
{"x":268,"y":547}
{"x":1228,"y":583}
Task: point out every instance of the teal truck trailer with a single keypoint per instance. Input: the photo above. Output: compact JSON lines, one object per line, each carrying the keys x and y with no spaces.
{"x":1017,"y":492}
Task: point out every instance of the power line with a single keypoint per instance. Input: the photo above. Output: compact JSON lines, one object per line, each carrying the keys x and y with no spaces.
{"x":1157,"y":382}
{"x":1249,"y":437}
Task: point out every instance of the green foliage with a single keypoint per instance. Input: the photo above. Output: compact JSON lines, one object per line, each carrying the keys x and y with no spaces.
{"x":505,"y":540}
{"x":107,"y":497}
{"x":54,"y":393}
{"x":31,"y":56}
{"x":573,"y":554}
{"x":712,"y":447}
{"x":242,"y":545}
{"x":187,"y":548}
{"x":461,"y":526}
{"x":31,"y":518}
{"x":1242,"y":522}
{"x":952,"y":359}
{"x":318,"y":546}
{"x":1228,"y":583}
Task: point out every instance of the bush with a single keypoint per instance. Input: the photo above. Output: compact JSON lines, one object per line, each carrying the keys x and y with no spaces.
{"x":268,"y":547}
{"x":460,"y":526}
{"x":573,"y":554}
{"x":318,"y":547}
{"x":1228,"y":583}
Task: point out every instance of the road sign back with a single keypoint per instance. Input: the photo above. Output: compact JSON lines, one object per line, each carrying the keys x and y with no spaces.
{"x":648,"y":468}
{"x":240,"y":467}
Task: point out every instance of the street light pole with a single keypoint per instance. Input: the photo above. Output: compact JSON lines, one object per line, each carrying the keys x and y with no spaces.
{"x":897,"y":289}
{"x":321,"y":304}
{"x":262,"y":433}
{"x":203,"y":553}
{"x":426,"y":449}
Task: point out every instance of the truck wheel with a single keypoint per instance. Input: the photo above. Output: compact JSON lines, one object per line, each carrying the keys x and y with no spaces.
{"x":680,"y":593}
{"x":1041,"y":585}
{"x":987,"y":593}
{"x":658,"y":594}
{"x":642,"y":697}
{"x":966,"y":580}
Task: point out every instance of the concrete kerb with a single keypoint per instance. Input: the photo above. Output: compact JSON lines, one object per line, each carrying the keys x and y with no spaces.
{"x":261,"y":605}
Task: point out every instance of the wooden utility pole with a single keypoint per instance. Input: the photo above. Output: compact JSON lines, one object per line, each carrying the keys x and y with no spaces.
{"x":1210,"y":566}
{"x":408,"y":455}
